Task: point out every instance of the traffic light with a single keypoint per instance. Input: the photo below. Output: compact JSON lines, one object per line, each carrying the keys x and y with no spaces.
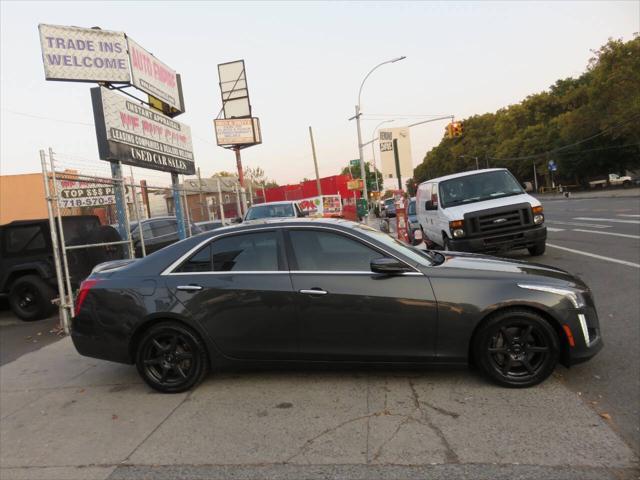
{"x":454,"y":129}
{"x":449,"y":130}
{"x":459,"y":129}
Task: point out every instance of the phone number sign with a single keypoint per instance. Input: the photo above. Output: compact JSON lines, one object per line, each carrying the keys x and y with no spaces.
{"x":85,"y":194}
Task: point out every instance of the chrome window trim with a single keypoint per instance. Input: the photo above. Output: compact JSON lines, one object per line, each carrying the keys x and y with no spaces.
{"x":176,"y":263}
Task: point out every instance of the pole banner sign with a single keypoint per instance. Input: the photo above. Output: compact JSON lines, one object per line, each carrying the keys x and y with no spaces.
{"x":238,"y":131}
{"x":84,"y":54}
{"x":387,"y":157}
{"x":154,"y":77}
{"x":79,"y":193}
{"x":138,"y":136}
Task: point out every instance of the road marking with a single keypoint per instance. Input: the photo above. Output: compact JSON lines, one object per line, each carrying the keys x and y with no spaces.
{"x":577,"y":224}
{"x":625,"y":235}
{"x":551,"y":229}
{"x":614,"y":220}
{"x":627,"y":215}
{"x":593,"y":255}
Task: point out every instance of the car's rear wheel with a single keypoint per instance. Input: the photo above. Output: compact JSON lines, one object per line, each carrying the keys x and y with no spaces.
{"x":171,"y":358}
{"x":516,"y":348}
{"x":30,"y":298}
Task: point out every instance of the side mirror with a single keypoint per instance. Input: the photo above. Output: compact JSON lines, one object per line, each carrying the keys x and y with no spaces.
{"x":429,"y":205}
{"x":389,"y":266}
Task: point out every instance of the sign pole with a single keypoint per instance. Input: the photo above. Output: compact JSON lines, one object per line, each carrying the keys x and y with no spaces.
{"x":177,"y":203}
{"x":241,"y":179}
{"x":315,"y":162}
{"x":136,"y":207}
{"x":237,"y":188}
{"x":220,"y":200}
{"x":396,"y":156}
{"x":121,"y":202}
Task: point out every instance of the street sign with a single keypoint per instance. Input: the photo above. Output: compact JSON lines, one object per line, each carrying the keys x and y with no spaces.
{"x":552,"y":166}
{"x":84,"y":54}
{"x":354,"y":163}
{"x":139,"y":136}
{"x":356,"y":184}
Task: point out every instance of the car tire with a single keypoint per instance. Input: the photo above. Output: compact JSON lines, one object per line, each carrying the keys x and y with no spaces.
{"x":538,"y":249}
{"x":30,"y":298}
{"x":516,"y":348}
{"x":171,"y":358}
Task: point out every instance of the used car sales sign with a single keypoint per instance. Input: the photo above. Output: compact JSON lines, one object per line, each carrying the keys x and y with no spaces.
{"x":138,"y":136}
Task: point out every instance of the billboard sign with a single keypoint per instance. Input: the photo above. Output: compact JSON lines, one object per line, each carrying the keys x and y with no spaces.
{"x":387,"y":157}
{"x":78,"y":193}
{"x":237,"y":131}
{"x":233,"y":87}
{"x":154,"y":77}
{"x":138,"y":136}
{"x":84,"y":54}
{"x":321,"y":206}
{"x":356,"y":184}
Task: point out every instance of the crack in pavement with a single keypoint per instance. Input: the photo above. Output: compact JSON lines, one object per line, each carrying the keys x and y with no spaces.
{"x":450,"y":455}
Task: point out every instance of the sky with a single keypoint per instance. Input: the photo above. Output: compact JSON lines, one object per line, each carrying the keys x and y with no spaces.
{"x":304,"y":63}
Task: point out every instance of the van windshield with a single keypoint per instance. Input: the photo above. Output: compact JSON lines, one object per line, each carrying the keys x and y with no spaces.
{"x":478,"y":187}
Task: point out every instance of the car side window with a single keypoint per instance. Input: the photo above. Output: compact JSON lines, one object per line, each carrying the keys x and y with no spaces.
{"x":24,"y":239}
{"x":246,"y":252}
{"x":317,"y":250}
{"x":164,"y":227}
{"x":198,"y":262}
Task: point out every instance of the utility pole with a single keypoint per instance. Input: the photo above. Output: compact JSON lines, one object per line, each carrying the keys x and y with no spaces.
{"x":241,"y":180}
{"x":535,"y":177}
{"x":315,"y":162}
{"x":396,"y":157}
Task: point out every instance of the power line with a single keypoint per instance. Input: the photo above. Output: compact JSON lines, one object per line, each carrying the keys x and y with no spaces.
{"x":24,"y":114}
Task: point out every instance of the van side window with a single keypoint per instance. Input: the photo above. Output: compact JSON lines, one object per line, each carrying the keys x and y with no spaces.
{"x":434,"y":193}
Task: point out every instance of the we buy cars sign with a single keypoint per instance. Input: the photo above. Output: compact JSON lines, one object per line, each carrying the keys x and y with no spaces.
{"x":323,"y":206}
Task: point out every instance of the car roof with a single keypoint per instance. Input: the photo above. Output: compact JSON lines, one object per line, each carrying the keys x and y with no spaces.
{"x":288,"y":222}
{"x":281,"y":202}
{"x":462,"y":174}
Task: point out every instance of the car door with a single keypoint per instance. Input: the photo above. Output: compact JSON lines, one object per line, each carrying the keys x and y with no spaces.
{"x":347,"y":312}
{"x":238,"y":288}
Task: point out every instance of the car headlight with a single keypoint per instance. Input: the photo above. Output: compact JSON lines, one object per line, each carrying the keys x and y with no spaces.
{"x":538,"y":216}
{"x":457,"y":228}
{"x":575,"y":296}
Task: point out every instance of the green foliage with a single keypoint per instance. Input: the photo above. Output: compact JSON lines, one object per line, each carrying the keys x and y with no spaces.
{"x":589,"y":125}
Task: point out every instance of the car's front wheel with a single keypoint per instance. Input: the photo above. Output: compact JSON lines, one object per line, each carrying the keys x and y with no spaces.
{"x":538,"y":249}
{"x":30,"y":298}
{"x":171,"y":358}
{"x":516,"y":348}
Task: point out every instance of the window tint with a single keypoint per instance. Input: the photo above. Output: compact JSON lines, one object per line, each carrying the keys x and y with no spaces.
{"x":317,"y":251}
{"x":270,"y":211}
{"x":247,"y":252}
{"x":164,"y":227}
{"x":25,"y":239}
{"x":199,"y":261}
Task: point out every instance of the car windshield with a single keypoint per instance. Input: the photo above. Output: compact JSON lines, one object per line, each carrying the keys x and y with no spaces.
{"x":423,"y":257}
{"x":412,"y":208}
{"x":478,"y":187}
{"x":270,"y":211}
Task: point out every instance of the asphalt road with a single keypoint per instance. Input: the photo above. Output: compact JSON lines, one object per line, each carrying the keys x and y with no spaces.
{"x":609,"y":228}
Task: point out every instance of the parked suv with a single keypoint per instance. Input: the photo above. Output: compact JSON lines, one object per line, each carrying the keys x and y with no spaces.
{"x":27,"y":270}
{"x":481,"y":211}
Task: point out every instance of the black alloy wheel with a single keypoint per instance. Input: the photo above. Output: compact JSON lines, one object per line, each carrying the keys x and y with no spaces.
{"x":171,"y":358}
{"x":517,"y":348}
{"x":30,"y":298}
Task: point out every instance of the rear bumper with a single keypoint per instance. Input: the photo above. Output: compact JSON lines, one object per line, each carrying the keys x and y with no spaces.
{"x":92,"y":343}
{"x":502,"y":242}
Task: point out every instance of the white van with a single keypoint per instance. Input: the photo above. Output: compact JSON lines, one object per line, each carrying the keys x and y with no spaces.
{"x":480,"y":211}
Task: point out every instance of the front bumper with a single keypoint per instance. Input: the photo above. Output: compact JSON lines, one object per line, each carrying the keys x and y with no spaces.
{"x":501,"y":242}
{"x":584,"y":349}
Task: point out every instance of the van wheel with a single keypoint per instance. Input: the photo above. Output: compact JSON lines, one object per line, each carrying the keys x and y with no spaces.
{"x":446,"y":243}
{"x":30,"y":298}
{"x":537,"y":249}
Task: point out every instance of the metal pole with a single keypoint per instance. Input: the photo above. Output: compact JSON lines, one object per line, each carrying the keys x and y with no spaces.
{"x":62,"y":311}
{"x":264,"y":194}
{"x":397,"y":160}
{"x":145,"y":197}
{"x":241,"y":180}
{"x":220,"y":200}
{"x":137,"y":210}
{"x":177,"y":204}
{"x":65,"y":262}
{"x":477,"y":165}
{"x":121,"y":206}
{"x":202,"y":198}
{"x":535,"y":177}
{"x":250,"y":192}
{"x":315,"y":162}
{"x":365,"y":192}
{"x":237,"y":189}
{"x":186,"y":207}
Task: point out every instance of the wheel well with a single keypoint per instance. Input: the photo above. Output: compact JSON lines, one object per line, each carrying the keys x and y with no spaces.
{"x":13,"y":276}
{"x":142,"y":329}
{"x":564,"y":344}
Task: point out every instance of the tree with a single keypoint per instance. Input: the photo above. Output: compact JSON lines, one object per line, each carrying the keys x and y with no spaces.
{"x":588,"y":125}
{"x":370,"y":175}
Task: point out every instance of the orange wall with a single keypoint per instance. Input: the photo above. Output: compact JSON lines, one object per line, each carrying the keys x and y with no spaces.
{"x":22,"y":197}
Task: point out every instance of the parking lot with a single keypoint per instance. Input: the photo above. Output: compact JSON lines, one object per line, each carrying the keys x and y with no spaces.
{"x":66,"y":416}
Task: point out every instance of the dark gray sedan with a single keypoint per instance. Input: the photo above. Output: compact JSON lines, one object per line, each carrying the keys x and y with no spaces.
{"x":330,"y":291}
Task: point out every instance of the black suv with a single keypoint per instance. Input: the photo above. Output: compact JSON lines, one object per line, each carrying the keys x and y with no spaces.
{"x":27,"y":270}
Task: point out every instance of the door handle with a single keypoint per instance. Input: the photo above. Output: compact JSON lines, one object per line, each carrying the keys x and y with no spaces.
{"x":189,"y":288}
{"x":314,"y":291}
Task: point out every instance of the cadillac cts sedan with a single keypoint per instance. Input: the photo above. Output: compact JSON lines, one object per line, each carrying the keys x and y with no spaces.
{"x":330,"y":291}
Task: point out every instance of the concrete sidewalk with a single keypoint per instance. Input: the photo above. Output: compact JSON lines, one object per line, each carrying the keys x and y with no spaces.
{"x":63,"y":416}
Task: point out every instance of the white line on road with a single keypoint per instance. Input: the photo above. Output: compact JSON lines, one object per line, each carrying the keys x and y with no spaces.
{"x":627,"y":215}
{"x":614,"y":220}
{"x":593,"y":255}
{"x":551,"y":229}
{"x":577,"y":224}
{"x":625,"y":235}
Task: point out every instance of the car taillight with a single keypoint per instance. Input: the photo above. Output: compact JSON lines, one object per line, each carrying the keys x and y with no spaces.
{"x":83,"y":292}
